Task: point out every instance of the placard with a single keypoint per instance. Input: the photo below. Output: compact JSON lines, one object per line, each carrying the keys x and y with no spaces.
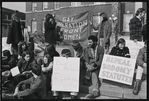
{"x":15,"y":71}
{"x":118,"y":69}
{"x":134,"y":48}
{"x":66,"y":74}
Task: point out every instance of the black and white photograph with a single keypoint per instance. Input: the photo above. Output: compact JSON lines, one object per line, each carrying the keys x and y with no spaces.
{"x":73,"y":50}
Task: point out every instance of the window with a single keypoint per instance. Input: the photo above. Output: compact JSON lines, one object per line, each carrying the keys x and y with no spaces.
{"x":96,"y":21}
{"x":56,"y":5}
{"x":34,"y":26}
{"x":34,"y":6}
{"x":73,"y":4}
{"x":6,"y":16}
{"x":45,"y":5}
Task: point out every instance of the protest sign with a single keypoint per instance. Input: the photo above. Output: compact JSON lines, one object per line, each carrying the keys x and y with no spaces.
{"x":74,"y":27}
{"x":66,"y":74}
{"x":119,"y":69}
{"x":15,"y":71}
{"x":134,"y":48}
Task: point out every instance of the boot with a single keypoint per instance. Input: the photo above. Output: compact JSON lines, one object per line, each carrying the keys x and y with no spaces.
{"x":137,"y":86}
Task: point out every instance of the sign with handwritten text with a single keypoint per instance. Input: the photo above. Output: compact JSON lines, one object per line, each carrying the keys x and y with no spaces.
{"x":66,"y":74}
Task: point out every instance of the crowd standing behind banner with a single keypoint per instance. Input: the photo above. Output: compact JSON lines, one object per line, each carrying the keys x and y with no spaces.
{"x":38,"y":73}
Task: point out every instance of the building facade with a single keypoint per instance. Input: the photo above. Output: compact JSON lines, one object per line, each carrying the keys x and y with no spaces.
{"x":36,"y":12}
{"x":6,"y":20}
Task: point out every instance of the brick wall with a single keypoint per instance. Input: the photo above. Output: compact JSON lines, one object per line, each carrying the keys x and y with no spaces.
{"x":93,"y":10}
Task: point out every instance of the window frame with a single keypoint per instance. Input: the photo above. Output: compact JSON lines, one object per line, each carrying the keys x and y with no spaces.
{"x":34,"y":6}
{"x":55,"y":5}
{"x":45,"y":3}
{"x":34,"y":20}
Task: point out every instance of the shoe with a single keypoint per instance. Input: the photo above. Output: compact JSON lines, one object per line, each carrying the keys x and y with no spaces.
{"x":91,"y":96}
{"x":137,"y":86}
{"x":73,"y":97}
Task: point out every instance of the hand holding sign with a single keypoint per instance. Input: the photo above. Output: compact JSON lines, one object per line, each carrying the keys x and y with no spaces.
{"x":15,"y":71}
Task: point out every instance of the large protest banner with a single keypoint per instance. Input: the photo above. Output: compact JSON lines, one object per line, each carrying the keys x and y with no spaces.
{"x":119,"y":69}
{"x":74,"y":27}
{"x":65,"y":75}
{"x":134,"y":48}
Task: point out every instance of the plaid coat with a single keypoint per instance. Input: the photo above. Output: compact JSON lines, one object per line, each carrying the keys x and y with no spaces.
{"x":135,"y":27}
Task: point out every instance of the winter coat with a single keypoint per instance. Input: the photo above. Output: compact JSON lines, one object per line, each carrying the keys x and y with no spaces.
{"x":142,"y":56}
{"x":118,"y":52}
{"x":144,"y":32}
{"x":135,"y":27}
{"x":50,"y":36}
{"x":14,"y":33}
{"x":104,"y":31}
{"x":37,"y":88}
{"x":99,"y":56}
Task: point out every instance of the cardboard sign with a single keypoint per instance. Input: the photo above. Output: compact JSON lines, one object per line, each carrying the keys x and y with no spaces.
{"x":66,"y":74}
{"x":15,"y":71}
{"x":134,"y":48}
{"x":119,"y":69}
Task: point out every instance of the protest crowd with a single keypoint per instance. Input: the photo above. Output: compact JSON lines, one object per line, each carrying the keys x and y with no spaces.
{"x":27,"y":76}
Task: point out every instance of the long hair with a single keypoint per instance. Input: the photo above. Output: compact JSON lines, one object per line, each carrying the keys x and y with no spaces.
{"x":49,"y":59}
{"x":121,"y":40}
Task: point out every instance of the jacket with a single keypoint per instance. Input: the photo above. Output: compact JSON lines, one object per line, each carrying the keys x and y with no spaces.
{"x":118,"y":52}
{"x":142,"y":56}
{"x":104,"y":31}
{"x":144,"y":32}
{"x":99,"y":56}
{"x":135,"y":27}
{"x":14,"y":33}
{"x":50,"y":36}
{"x":37,"y":88}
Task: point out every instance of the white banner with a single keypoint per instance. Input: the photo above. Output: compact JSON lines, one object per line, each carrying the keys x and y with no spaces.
{"x":134,"y":48}
{"x":119,"y":69}
{"x":66,"y":74}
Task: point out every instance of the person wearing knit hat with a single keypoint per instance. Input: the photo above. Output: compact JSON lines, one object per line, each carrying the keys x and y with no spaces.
{"x":66,"y":53}
{"x":104,"y":31}
{"x":78,"y":52}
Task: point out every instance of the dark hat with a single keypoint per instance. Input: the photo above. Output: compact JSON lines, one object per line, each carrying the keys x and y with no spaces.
{"x":65,"y":51}
{"x":75,"y":43}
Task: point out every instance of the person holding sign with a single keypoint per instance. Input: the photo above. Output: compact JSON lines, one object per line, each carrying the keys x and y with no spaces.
{"x":93,"y":56}
{"x":65,"y":53}
{"x":47,"y":66}
{"x":120,"y":49}
{"x":142,"y":64}
{"x":135,"y":25}
{"x":36,"y":86}
{"x":104,"y":31}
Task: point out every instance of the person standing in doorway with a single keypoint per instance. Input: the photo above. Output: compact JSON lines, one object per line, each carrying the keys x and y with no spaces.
{"x":15,"y":33}
{"x":104,"y":31}
{"x":135,"y":25}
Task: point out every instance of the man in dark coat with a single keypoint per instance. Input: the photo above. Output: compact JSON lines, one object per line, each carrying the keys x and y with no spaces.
{"x":93,"y":56}
{"x":104,"y":31}
{"x":50,"y":25}
{"x":135,"y":25}
{"x":15,"y":33}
